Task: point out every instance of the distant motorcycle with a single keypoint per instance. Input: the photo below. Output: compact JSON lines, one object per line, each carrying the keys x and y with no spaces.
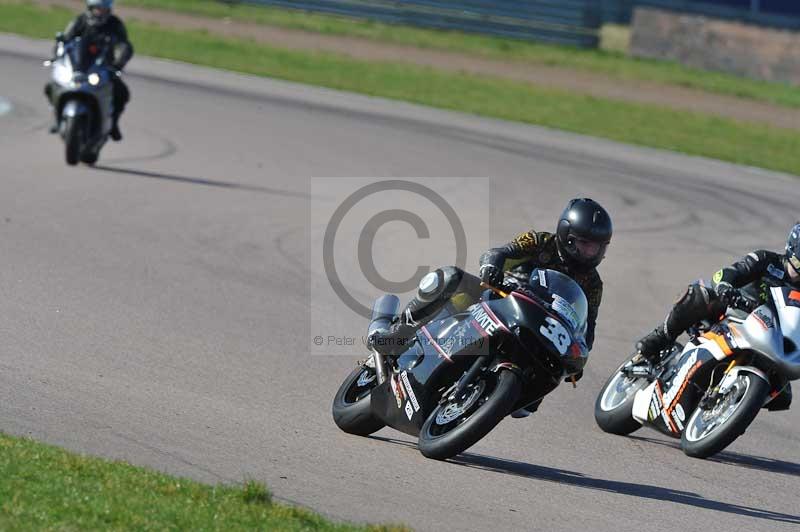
{"x":465,"y":371}
{"x":708,"y":392}
{"x":82,"y":96}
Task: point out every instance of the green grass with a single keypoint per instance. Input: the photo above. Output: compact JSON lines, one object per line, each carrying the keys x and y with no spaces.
{"x":648,"y":125}
{"x":611,"y":62}
{"x":46,"y":488}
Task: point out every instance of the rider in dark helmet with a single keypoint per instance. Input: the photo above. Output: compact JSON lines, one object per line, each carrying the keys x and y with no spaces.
{"x":98,"y":21}
{"x":575,"y":249}
{"x":749,"y":277}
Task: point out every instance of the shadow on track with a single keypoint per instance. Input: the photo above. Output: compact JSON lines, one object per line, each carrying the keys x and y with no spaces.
{"x":573,"y":478}
{"x":645,"y":491}
{"x":769,"y":465}
{"x":201,"y":181}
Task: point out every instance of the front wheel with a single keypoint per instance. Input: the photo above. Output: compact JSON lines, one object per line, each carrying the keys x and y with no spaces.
{"x":351,"y":405}
{"x":613,"y":409}
{"x":709,"y":431}
{"x":73,"y":137}
{"x":456,"y":425}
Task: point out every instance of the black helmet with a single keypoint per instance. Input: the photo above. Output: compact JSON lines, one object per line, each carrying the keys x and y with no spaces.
{"x":583,"y":233}
{"x":793,"y":254}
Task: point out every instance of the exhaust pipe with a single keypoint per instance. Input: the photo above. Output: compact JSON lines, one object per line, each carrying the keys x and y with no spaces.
{"x":383,"y":312}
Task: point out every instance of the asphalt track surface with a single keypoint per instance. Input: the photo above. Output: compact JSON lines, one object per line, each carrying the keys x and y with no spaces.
{"x":155,"y":309}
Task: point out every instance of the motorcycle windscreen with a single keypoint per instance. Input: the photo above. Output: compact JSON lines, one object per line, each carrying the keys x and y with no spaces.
{"x":565,"y":296}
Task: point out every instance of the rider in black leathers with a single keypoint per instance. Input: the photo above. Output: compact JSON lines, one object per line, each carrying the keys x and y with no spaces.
{"x":575,"y":249}
{"x":750,"y":277}
{"x":98,"y":21}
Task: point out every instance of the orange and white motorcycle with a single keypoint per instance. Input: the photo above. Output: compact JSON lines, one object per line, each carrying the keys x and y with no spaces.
{"x":708,"y":392}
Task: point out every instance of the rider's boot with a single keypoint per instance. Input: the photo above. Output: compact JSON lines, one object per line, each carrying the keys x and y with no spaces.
{"x":395,"y":339}
{"x":782,"y":400}
{"x":435,"y":290}
{"x":115,"y":133}
{"x":652,"y":344}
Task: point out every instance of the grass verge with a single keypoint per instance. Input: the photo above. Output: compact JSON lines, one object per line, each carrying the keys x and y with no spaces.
{"x":43,"y":487}
{"x":612,"y":62}
{"x":648,"y":125}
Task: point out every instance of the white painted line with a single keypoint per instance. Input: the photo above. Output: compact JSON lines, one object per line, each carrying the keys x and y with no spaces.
{"x":5,"y":106}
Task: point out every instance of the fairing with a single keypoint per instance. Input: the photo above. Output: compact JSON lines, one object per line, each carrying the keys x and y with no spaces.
{"x":667,"y":403}
{"x":71,"y":71}
{"x":520,"y":329}
{"x":770,"y":335}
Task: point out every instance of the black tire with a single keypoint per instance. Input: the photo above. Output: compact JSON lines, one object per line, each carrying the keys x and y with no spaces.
{"x":619,"y":419}
{"x":351,"y":405}
{"x":733,"y":427}
{"x":500,"y":396}
{"x":73,"y":134}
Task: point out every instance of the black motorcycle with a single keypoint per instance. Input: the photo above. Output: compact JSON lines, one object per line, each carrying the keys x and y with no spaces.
{"x":466,"y":370}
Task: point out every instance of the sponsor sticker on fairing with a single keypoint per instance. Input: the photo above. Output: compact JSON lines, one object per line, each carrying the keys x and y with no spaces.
{"x":484,"y":320}
{"x":564,"y":309}
{"x":677,"y":421}
{"x":396,"y":392}
{"x":409,"y":391}
{"x":763,"y":318}
{"x":409,"y":410}
{"x":677,"y":382}
{"x":655,"y":407}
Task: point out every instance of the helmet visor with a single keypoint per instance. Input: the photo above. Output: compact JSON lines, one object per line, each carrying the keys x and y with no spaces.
{"x":98,"y":15}
{"x":589,"y":249}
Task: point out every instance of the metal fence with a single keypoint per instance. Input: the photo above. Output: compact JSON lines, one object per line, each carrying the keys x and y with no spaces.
{"x":776,"y":13}
{"x":573,"y":22}
{"x":616,"y":11}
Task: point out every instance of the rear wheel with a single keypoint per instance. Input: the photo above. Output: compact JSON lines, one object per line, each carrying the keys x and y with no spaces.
{"x":351,"y":406}
{"x":613,"y":409}
{"x":73,"y":137}
{"x":709,"y":431}
{"x":456,"y":425}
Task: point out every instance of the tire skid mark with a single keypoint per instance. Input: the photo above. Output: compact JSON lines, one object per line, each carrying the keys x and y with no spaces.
{"x":168,"y":149}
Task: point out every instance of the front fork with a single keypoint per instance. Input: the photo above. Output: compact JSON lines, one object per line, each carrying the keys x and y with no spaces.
{"x":461,"y":385}
{"x":712,"y":395}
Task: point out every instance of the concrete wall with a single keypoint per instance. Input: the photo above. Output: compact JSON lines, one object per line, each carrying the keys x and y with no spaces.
{"x":713,"y":44}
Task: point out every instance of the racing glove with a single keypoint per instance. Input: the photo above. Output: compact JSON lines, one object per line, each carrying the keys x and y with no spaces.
{"x":726,"y":292}
{"x":491,"y":268}
{"x":491,"y":275}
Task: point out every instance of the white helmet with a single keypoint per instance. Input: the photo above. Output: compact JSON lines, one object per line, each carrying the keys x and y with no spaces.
{"x":98,"y":11}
